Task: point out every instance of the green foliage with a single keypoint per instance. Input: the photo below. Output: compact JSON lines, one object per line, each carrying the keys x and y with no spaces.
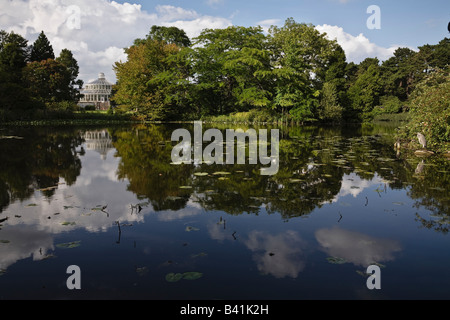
{"x":388,"y":104}
{"x":365,"y":93}
{"x":232,"y":70}
{"x":41,"y":49}
{"x":67,"y":59}
{"x":48,"y":81}
{"x":329,"y":109}
{"x":302,"y":60}
{"x":153,"y":82}
{"x":430,"y":112}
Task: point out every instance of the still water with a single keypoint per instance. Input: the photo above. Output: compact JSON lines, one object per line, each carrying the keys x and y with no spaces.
{"x":110,"y":201}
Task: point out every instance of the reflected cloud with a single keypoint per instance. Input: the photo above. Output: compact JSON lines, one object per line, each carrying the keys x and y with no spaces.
{"x":23,"y":242}
{"x":279,"y":255}
{"x":354,"y":185}
{"x":357,"y":248}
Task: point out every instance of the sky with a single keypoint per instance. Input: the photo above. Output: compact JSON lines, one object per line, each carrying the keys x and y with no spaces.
{"x":97,"y":31}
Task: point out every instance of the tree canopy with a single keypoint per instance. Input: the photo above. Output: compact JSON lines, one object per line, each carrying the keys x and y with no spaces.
{"x":292,"y":71}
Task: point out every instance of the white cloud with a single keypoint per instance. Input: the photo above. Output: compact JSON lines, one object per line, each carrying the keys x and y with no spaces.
{"x":266,"y":24}
{"x":355,"y":247}
{"x":357,"y":48}
{"x":105,"y":27}
{"x":280,"y":255}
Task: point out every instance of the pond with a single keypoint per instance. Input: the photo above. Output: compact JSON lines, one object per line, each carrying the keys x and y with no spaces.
{"x":112,"y":202}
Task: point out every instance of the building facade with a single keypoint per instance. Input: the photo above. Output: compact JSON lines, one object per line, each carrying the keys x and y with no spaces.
{"x":97,"y":93}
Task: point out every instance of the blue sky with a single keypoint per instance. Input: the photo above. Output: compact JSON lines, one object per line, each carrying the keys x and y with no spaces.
{"x":403,"y":22}
{"x":104,"y":27}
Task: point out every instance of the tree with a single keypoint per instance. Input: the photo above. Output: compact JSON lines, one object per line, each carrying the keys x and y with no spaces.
{"x":66,"y":58}
{"x":301,"y":58}
{"x":232,"y":69}
{"x":41,"y":49}
{"x":13,"y":58}
{"x":329,"y":108}
{"x":48,"y":81}
{"x":154,"y":80}
{"x":170,"y":35}
{"x":365,"y":93}
{"x":400,"y":73}
{"x":430,"y":111}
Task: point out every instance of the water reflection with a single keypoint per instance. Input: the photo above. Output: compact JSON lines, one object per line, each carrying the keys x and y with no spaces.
{"x":54,"y":188}
{"x":355,"y":247}
{"x":279,"y":255}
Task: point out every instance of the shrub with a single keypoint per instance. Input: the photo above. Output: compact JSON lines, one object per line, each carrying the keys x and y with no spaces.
{"x":430,"y":112}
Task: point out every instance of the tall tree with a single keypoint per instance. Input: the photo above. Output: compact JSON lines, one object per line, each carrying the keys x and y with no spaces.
{"x":67,"y":59}
{"x":170,"y":35}
{"x":232,"y":69}
{"x":42,"y":49}
{"x":302,"y":56}
{"x":13,"y":58}
{"x":154,"y":80}
{"x":365,"y":93}
{"x":48,"y":81}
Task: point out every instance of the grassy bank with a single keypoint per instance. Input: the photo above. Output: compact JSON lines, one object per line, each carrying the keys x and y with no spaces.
{"x":69,"y":118}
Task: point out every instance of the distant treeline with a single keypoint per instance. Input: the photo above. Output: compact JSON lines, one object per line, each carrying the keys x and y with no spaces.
{"x":293,"y":72}
{"x":33,"y":81}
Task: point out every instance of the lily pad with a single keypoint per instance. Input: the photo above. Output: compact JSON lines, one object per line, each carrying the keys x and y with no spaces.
{"x":221,"y":173}
{"x":201,"y":254}
{"x":335,"y":260}
{"x":186,"y":187}
{"x":192,"y":275}
{"x":68,"y":223}
{"x":69,"y":245}
{"x":201,"y":174}
{"x":173,"y":277}
{"x":5,"y":241}
{"x":189,"y":229}
{"x":31,"y":205}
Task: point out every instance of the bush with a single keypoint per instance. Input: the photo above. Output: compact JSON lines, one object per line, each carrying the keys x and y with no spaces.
{"x":388,"y":104}
{"x":89,"y":108}
{"x":430,"y":112}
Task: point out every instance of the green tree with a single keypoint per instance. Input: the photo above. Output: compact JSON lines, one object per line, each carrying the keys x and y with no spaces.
{"x":170,"y":35}
{"x":430,"y":112}
{"x":365,"y":93}
{"x":232,"y":69}
{"x":13,"y":58}
{"x":301,"y":58}
{"x":67,"y":59}
{"x":329,"y":108}
{"x":41,"y":49}
{"x":154,"y":81}
{"x":48,"y":81}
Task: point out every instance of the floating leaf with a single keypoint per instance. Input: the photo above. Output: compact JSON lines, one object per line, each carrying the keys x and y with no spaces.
{"x":192,"y":275}
{"x":201,"y":254}
{"x":173,"y":277}
{"x":201,"y":174}
{"x":398,"y":203}
{"x":31,"y":205}
{"x":189,"y":229}
{"x":362,"y":273}
{"x":335,"y":260}
{"x":186,"y":187}
{"x":67,"y":223}
{"x":5,"y":241}
{"x":221,"y":173}
{"x":69,"y":245}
